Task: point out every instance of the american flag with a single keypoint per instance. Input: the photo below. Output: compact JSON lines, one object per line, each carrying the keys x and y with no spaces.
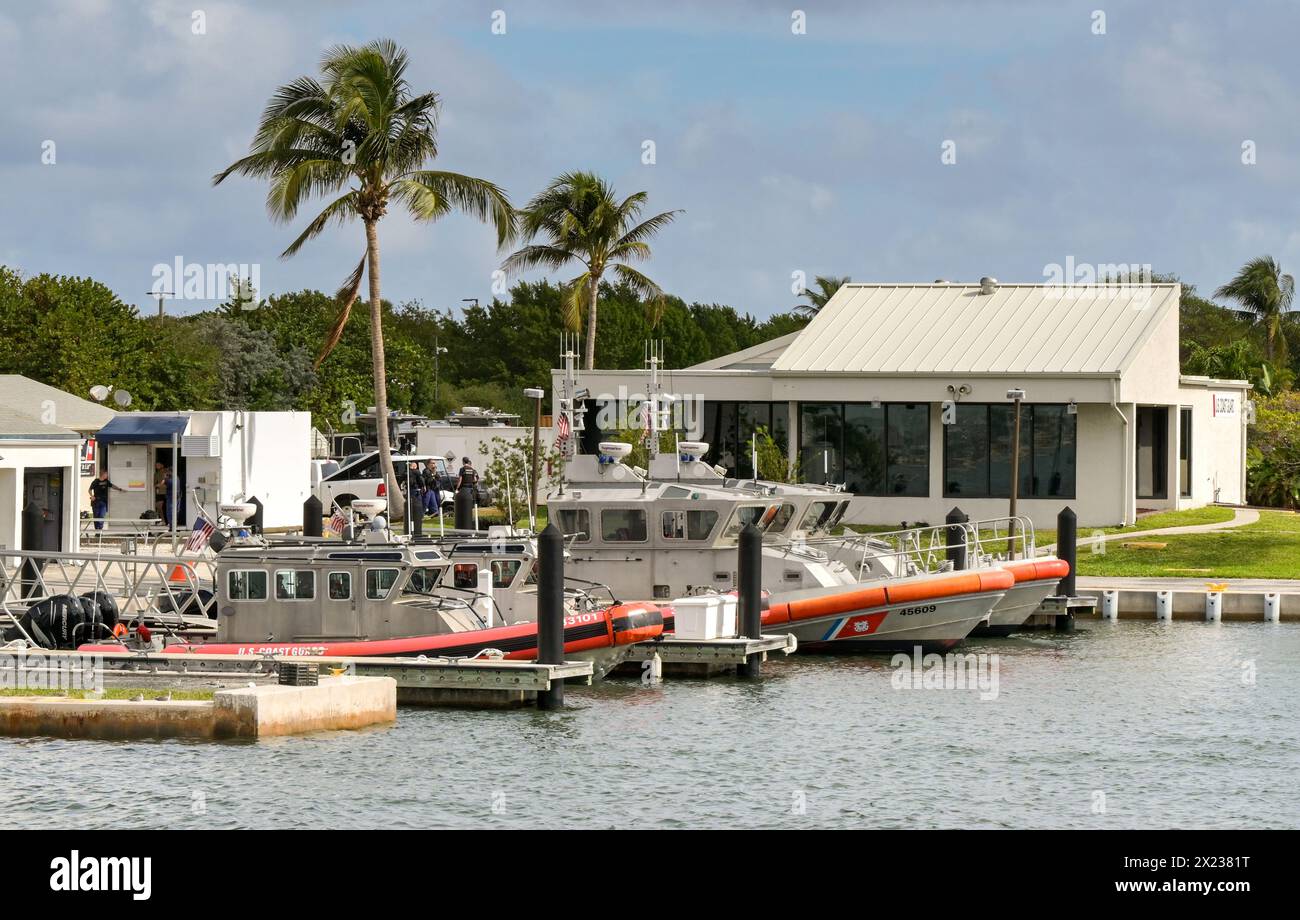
{"x":561,"y":430}
{"x":337,"y":521}
{"x":200,"y":535}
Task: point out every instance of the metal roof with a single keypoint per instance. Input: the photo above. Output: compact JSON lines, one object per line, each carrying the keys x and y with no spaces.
{"x":900,"y":329}
{"x":19,"y":426}
{"x":28,"y":396}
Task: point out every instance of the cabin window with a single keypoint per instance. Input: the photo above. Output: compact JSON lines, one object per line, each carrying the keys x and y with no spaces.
{"x":817,"y":515}
{"x":748,"y":514}
{"x":340,"y":586}
{"x":465,"y":576}
{"x":782,"y":519}
{"x":423,"y":580}
{"x":574,"y":522}
{"x":504,"y":572}
{"x":246,"y":586}
{"x":623,"y":525}
{"x":689,"y":525}
{"x":379,"y":582}
{"x":295,"y":585}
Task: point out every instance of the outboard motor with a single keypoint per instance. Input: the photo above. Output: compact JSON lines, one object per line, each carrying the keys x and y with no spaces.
{"x":67,"y":621}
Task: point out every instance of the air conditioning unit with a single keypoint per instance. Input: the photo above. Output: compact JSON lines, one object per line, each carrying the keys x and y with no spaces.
{"x":200,"y":445}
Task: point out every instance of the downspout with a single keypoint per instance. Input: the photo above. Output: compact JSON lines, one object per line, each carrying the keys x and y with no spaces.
{"x":1114,"y":404}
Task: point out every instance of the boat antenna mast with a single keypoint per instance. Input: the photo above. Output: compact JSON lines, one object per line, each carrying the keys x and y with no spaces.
{"x":653,"y":359}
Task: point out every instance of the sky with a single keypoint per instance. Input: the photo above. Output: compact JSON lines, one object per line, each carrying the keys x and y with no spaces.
{"x":886,"y":141}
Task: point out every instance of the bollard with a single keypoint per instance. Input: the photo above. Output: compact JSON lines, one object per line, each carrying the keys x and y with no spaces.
{"x":1110,"y":605}
{"x":955,"y":537}
{"x":1213,"y":606}
{"x":1067,"y":549}
{"x":1164,"y":605}
{"x":550,"y":610}
{"x":33,"y":521}
{"x":749,"y":577}
{"x":255,"y":522}
{"x":465,"y":508}
{"x":312,"y":524}
{"x":1272,"y":607}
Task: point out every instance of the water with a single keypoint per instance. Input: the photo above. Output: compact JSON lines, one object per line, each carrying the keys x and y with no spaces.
{"x":1160,"y":718}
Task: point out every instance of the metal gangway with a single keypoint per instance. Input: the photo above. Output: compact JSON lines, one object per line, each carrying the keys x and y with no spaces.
{"x":161,"y":590}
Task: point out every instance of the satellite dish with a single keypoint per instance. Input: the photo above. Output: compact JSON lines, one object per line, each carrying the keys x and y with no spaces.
{"x":122,"y":398}
{"x":99,"y":393}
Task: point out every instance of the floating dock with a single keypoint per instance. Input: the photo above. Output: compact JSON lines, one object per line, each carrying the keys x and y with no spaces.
{"x":673,"y":657}
{"x":470,"y":683}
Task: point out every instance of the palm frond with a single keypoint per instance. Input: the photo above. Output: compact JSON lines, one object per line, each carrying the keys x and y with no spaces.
{"x":346,"y":296}
{"x":340,"y":209}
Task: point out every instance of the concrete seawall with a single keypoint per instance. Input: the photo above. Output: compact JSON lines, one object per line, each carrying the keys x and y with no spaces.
{"x":247,"y":712}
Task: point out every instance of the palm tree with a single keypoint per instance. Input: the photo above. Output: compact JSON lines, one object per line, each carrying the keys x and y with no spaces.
{"x":826,"y":288}
{"x":581,"y":219}
{"x":360,"y":130}
{"x":1265,"y":293}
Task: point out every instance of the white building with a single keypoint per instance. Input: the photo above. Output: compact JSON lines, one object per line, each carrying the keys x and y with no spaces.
{"x":900,"y":391}
{"x":39,"y":464}
{"x":58,"y":407}
{"x":221,"y":456}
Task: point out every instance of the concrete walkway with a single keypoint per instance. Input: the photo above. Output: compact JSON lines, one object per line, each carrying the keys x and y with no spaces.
{"x":1240,"y":518}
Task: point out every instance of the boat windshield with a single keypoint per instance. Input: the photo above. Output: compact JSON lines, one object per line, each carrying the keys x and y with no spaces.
{"x":761,"y":515}
{"x":424,"y":580}
{"x":817,"y":516}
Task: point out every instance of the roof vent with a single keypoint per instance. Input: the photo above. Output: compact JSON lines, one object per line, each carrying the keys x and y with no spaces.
{"x":942,"y":281}
{"x":988,"y":284}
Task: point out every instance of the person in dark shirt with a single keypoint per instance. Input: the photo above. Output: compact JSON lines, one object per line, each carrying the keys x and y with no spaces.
{"x":468,"y":476}
{"x":99,"y":488}
{"x":432,"y":490}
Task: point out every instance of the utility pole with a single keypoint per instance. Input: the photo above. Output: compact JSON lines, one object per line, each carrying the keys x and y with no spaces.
{"x":535,"y":394}
{"x":160,"y":295}
{"x":1017,"y":396}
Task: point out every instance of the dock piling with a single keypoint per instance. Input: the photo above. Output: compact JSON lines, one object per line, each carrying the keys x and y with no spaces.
{"x":550,"y":608}
{"x":312,"y":524}
{"x":464,"y":504}
{"x":1067,"y":550}
{"x":955,"y":537}
{"x":749,"y":578}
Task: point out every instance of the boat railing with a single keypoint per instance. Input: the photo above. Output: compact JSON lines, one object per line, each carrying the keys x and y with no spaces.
{"x":142,"y":585}
{"x":591,"y":589}
{"x":918,"y":550}
{"x":1001,"y":539}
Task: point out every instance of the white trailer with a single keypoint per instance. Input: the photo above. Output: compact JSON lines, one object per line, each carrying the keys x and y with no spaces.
{"x":220,"y":456}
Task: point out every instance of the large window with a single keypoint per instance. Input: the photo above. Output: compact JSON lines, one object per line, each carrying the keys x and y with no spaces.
{"x":1185,"y":452}
{"x":977,"y":451}
{"x":623,"y":525}
{"x":729,"y":426}
{"x":874,"y":450}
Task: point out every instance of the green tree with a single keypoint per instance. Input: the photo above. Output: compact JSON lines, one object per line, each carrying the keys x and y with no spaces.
{"x":825,"y":287}
{"x":1265,"y":294}
{"x":361,"y":129}
{"x":581,"y":220}
{"x":1273,"y":455}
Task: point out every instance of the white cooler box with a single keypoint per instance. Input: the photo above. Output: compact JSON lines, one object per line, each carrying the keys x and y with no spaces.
{"x":708,"y":616}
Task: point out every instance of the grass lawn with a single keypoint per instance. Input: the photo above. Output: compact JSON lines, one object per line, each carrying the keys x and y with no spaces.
{"x":1210,"y":514}
{"x":116,"y":693}
{"x":1269,"y":548}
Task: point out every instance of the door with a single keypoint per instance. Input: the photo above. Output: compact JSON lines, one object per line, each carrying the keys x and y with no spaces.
{"x":1152,"y":451}
{"x":43,"y":487}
